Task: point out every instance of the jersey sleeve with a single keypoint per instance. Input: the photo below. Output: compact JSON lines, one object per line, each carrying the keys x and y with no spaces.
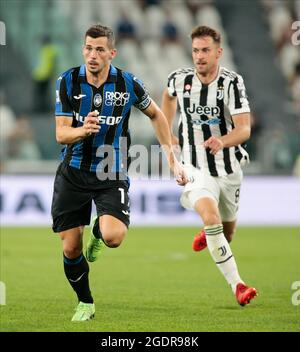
{"x":171,"y":84}
{"x":143,"y":98}
{"x":238,"y":100}
{"x":63,"y":106}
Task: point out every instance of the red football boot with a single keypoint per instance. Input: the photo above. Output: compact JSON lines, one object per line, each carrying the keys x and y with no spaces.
{"x":244,"y":294}
{"x":199,"y":242}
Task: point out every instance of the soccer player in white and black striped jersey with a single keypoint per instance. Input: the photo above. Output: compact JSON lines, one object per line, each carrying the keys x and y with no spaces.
{"x":214,"y":122}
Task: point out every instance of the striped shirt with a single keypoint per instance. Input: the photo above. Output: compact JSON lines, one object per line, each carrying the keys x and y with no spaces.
{"x":205,"y":111}
{"x":75,"y":98}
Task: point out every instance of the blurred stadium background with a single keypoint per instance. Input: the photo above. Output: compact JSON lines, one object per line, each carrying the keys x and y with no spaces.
{"x":44,"y":38}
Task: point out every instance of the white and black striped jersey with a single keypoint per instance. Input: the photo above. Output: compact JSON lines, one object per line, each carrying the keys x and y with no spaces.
{"x":205,"y":111}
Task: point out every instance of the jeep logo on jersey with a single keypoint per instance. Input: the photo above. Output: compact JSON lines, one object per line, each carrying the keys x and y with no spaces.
{"x":97,"y":100}
{"x":116,"y":98}
{"x":210,"y":111}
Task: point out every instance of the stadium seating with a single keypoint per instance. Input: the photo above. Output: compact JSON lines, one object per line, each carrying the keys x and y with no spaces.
{"x":159,"y":43}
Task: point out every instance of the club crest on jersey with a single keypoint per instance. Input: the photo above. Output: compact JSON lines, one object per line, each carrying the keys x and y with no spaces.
{"x":220,"y":93}
{"x":97,"y":100}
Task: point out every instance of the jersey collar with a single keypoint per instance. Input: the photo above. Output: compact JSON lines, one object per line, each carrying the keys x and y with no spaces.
{"x":211,"y":82}
{"x":112,"y":76}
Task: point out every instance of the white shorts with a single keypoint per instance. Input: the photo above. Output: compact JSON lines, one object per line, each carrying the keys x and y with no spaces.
{"x":224,"y":189}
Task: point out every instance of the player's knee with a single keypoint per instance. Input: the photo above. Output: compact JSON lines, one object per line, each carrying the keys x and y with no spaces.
{"x":113,"y":243}
{"x":72,"y":252}
{"x":113,"y":238}
{"x":211,"y":219}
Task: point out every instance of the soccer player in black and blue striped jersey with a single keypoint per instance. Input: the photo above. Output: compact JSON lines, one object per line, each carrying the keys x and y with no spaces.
{"x":93,"y":103}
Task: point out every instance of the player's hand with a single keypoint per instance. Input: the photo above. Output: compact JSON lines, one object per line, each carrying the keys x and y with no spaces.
{"x":91,"y":123}
{"x":215,"y":144}
{"x":179,"y":173}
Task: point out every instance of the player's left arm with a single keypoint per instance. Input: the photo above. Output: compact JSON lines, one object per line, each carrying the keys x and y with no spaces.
{"x":159,"y":123}
{"x":239,"y":134}
{"x":240,"y":113}
{"x":161,"y":127}
{"x":163,"y":134}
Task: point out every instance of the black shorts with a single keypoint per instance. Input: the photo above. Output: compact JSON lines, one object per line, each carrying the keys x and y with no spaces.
{"x":74,"y":191}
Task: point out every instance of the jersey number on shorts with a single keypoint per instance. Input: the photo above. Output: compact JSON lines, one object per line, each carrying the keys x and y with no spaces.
{"x":122,"y":195}
{"x":237,"y":195}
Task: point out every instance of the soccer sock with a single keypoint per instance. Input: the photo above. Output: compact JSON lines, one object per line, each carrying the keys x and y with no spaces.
{"x":77,"y":273}
{"x":221,"y":253}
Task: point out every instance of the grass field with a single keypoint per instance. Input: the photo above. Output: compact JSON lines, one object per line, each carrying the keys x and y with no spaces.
{"x":153,"y":282}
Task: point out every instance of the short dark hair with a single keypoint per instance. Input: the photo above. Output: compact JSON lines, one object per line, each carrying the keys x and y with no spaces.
{"x":204,"y":31}
{"x":97,"y":30}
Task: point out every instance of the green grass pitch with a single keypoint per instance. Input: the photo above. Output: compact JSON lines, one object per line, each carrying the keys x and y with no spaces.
{"x":153,"y":282}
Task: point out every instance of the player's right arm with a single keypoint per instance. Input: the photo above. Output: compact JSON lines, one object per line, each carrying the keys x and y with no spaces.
{"x":169,"y":107}
{"x":65,"y":133}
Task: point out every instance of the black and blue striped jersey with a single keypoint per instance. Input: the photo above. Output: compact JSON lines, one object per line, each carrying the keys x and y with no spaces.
{"x":75,"y":98}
